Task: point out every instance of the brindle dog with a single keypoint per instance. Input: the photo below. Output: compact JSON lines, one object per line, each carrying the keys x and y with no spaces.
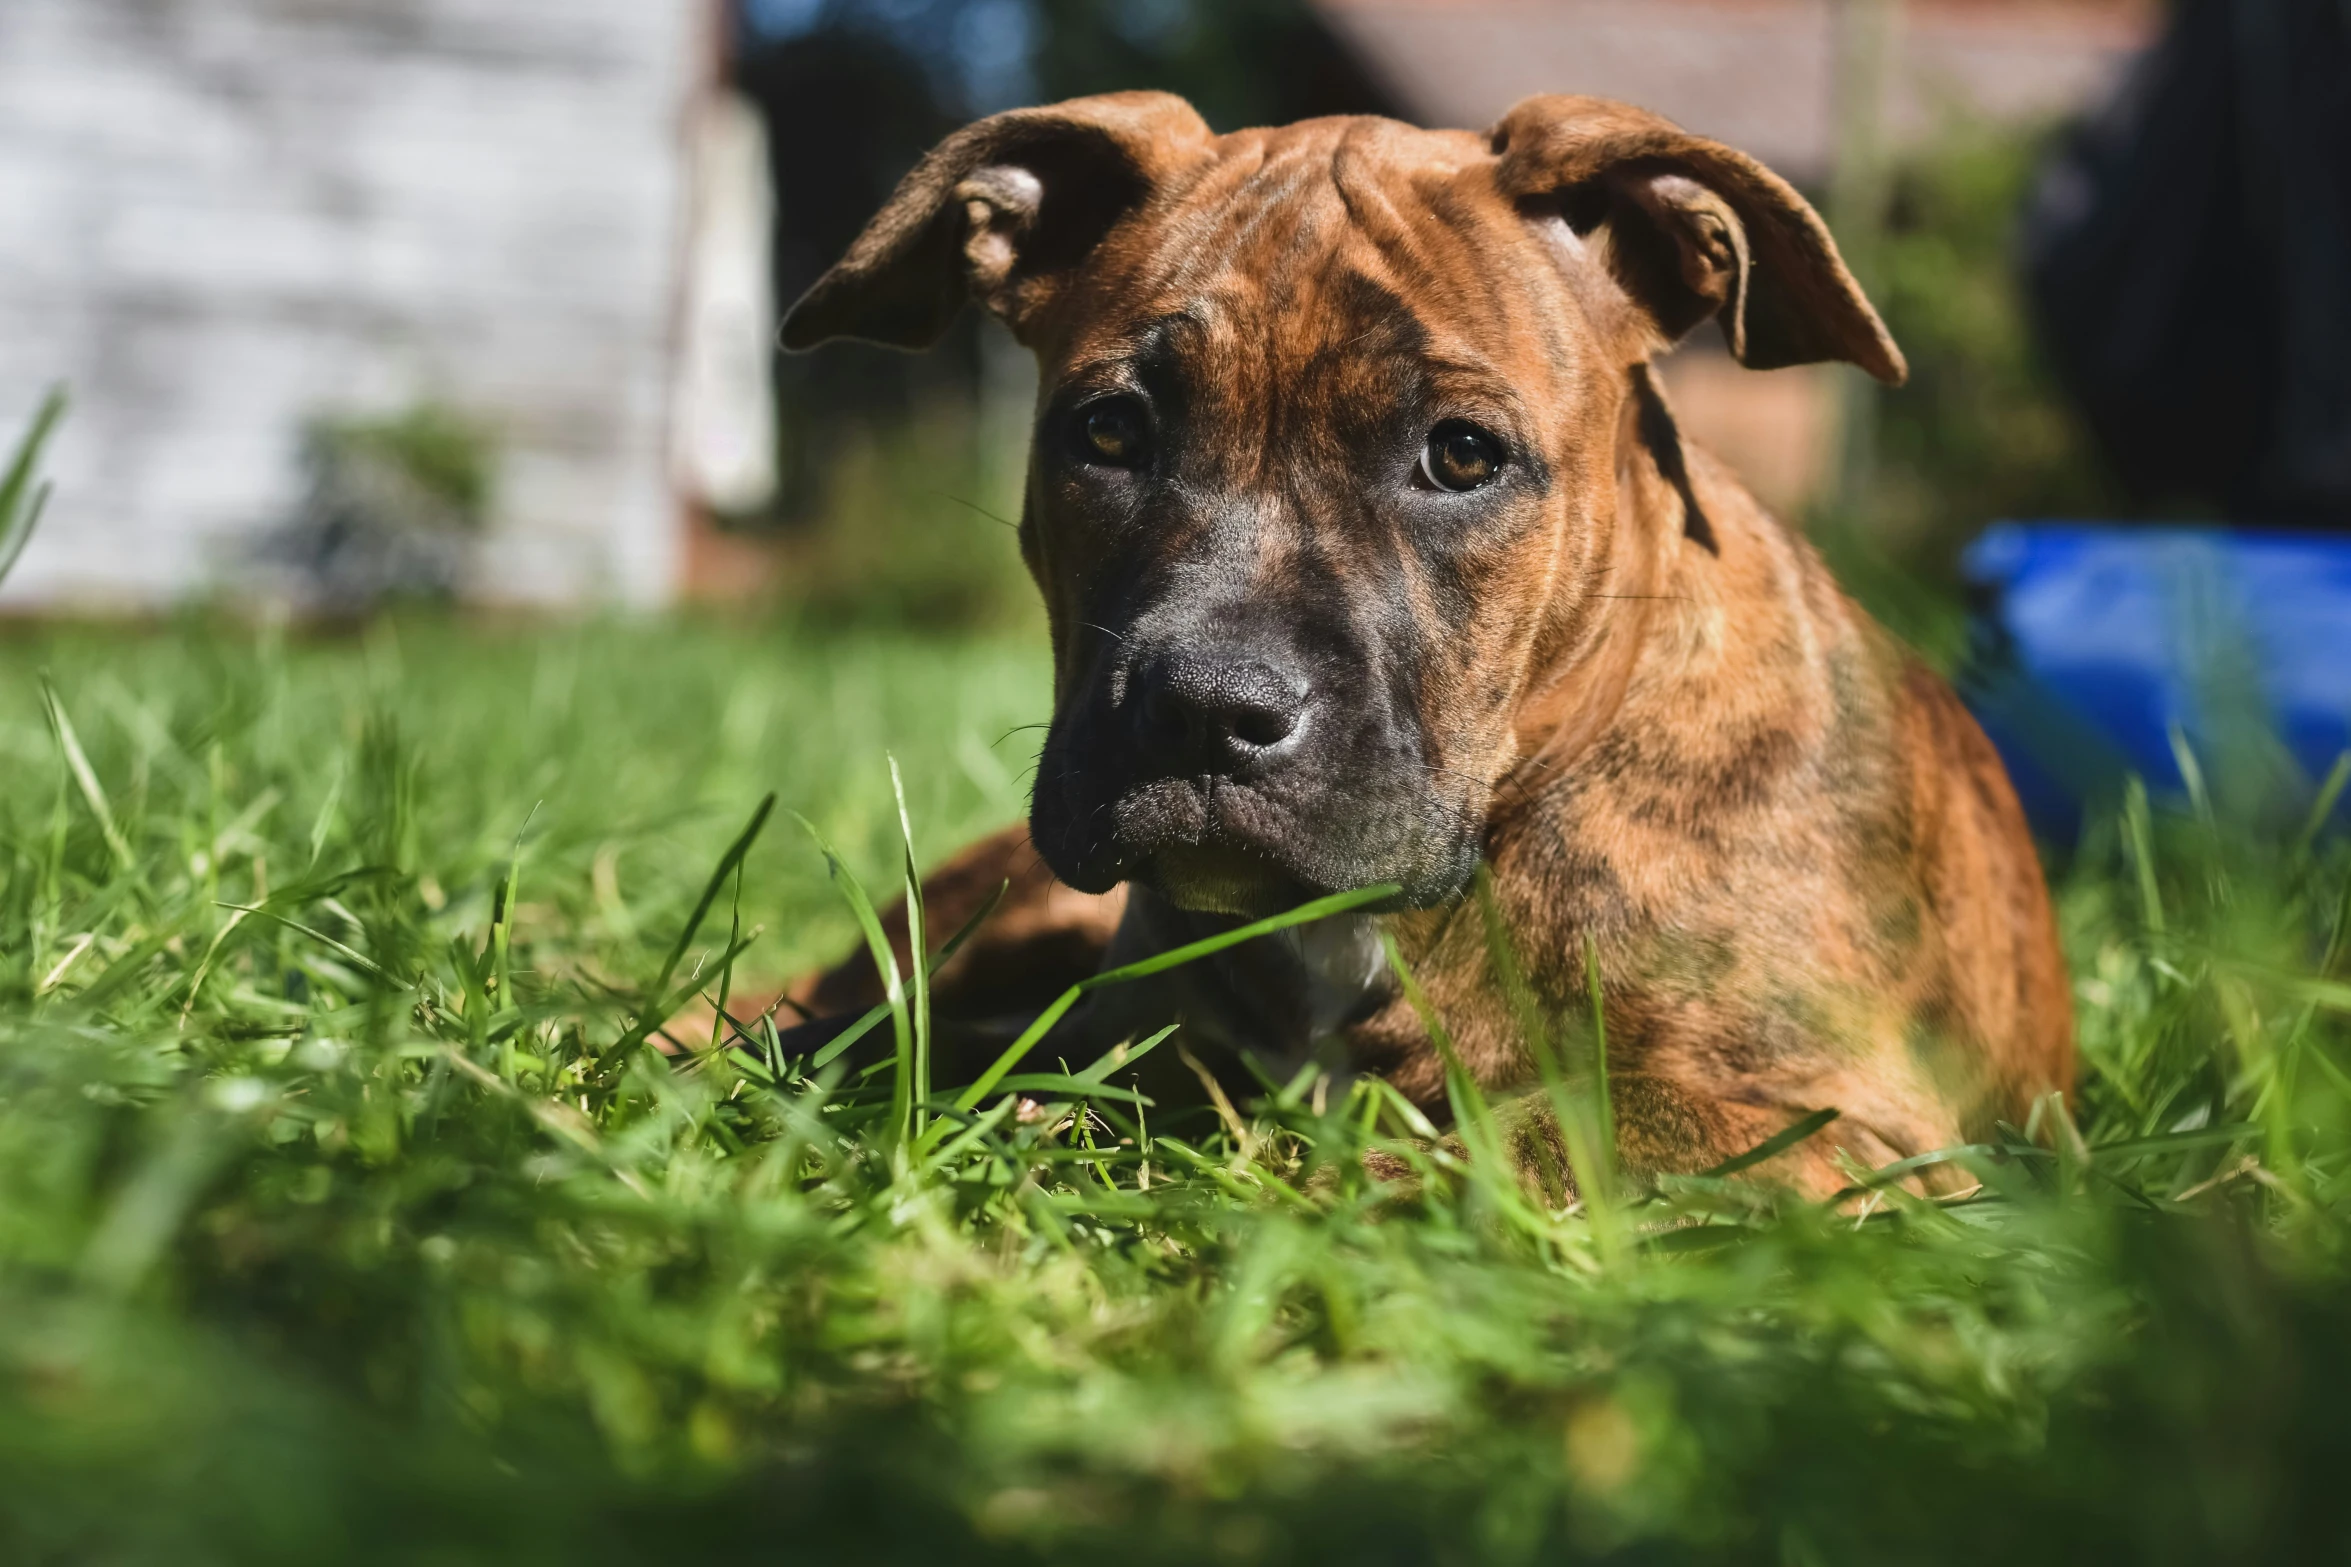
{"x":1372,"y":553}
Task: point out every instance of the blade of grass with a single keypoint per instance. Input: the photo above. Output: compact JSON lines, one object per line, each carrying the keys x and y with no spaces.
{"x":324,"y":822}
{"x":1473,"y":1115}
{"x":1209,"y":946}
{"x":1535,"y":1033}
{"x":1887,"y":1175}
{"x":2183,"y":757}
{"x":1244,"y":1141}
{"x":1773,"y":1146}
{"x":1384,"y":1095}
{"x":885,"y":961}
{"x":2173,"y":1142}
{"x":117,"y":976}
{"x":920,"y":1001}
{"x":662,"y":1000}
{"x":2332,"y":994}
{"x":56,"y":976}
{"x":84,"y":776}
{"x":2139,"y":834}
{"x":2330,"y":793}
{"x":840,"y":1043}
{"x":1119,"y":1058}
{"x":1603,"y":1102}
{"x":502,"y":915}
{"x":981,"y":1129}
{"x":710,"y":891}
{"x":719,"y":1020}
{"x":1070,"y":1086}
{"x":357,"y":958}
{"x":21,"y":501}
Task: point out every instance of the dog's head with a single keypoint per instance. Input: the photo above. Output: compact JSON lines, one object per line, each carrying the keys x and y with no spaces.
{"x":1328,"y":446}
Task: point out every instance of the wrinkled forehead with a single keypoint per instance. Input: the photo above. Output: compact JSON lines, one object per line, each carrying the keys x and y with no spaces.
{"x":1358,"y":239}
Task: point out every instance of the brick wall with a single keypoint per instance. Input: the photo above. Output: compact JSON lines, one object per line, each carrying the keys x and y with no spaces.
{"x":219,"y":217}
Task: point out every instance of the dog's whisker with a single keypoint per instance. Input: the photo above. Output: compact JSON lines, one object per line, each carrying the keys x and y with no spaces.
{"x":1449,"y":772}
{"x":949,"y":495}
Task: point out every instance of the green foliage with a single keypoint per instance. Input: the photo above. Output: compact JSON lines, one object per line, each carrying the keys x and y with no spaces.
{"x":917,"y":530}
{"x":444,"y":460}
{"x":391,"y":511}
{"x":1981,"y":430}
{"x":345,"y":1213}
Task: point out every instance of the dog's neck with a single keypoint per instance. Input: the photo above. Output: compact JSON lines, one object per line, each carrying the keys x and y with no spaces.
{"x":1276,"y":998}
{"x":1607,"y":619}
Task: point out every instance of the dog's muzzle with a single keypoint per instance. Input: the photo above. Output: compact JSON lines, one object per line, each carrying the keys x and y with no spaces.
{"x":1236,"y":780}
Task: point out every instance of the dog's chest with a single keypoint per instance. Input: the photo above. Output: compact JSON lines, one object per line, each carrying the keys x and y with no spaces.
{"x":1279,"y":998}
{"x":1342,"y":972}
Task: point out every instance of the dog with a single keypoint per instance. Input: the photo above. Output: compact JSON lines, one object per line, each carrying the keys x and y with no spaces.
{"x":1372,"y":554}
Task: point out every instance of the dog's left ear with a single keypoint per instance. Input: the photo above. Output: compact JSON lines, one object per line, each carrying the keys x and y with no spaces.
{"x":1001,"y":211}
{"x":1695,"y":229}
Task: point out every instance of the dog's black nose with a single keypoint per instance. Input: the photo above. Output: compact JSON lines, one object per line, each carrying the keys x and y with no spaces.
{"x":1217,"y":715}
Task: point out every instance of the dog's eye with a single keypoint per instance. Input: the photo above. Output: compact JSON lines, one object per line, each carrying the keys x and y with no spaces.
{"x":1113,"y":432}
{"x":1460,"y":456}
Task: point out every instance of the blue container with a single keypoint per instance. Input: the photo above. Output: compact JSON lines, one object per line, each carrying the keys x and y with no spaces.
{"x":2102,"y":651}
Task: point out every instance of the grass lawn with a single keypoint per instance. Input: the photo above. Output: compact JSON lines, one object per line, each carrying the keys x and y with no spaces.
{"x":345,"y":1216}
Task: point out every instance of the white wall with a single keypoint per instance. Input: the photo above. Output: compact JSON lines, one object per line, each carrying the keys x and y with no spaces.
{"x":218,"y":217}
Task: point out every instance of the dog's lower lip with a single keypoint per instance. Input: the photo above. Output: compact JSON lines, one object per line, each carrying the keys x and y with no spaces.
{"x":1225,"y":878}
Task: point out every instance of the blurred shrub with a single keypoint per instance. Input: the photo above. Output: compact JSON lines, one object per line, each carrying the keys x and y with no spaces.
{"x":390,"y":511}
{"x":918,"y":528}
{"x":1981,"y":431}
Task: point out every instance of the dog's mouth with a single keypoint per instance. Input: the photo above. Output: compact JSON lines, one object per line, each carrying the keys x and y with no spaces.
{"x":1212,"y":846}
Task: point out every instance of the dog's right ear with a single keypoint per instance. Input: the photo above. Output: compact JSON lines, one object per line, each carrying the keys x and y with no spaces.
{"x":1695,"y":229}
{"x":1000,"y":212}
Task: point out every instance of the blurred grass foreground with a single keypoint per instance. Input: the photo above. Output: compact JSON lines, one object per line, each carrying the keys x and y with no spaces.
{"x":347,"y":1215}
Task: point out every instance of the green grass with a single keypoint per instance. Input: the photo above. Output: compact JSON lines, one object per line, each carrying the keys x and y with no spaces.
{"x":360,"y":1230}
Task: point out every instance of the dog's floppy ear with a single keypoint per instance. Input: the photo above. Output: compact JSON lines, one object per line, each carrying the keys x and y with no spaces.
{"x":1695,"y":229}
{"x":999,"y":212}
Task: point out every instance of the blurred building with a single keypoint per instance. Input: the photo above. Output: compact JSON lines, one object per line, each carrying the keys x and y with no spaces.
{"x":1764,"y":76}
{"x":224,"y":220}
{"x":226,"y":223}
{"x":1759,"y":74}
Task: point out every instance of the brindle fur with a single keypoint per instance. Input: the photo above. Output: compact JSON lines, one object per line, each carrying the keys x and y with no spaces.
{"x":1610,"y":675}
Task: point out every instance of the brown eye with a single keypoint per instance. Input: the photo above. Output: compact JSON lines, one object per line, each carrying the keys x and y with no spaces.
{"x":1113,"y":432}
{"x":1460,"y":456}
